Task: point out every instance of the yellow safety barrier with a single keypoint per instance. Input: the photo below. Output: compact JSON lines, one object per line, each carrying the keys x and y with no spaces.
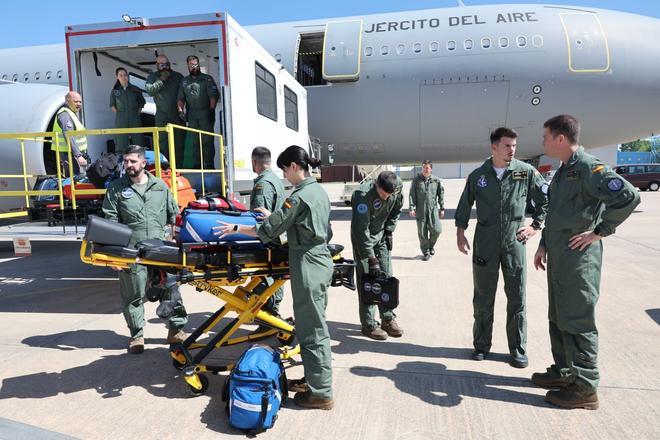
{"x":156,"y":132}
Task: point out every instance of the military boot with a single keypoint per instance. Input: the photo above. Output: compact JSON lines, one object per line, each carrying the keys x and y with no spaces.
{"x":550,"y":380}
{"x":175,"y":336}
{"x":298,"y":385}
{"x":374,"y":333}
{"x":571,"y":397}
{"x":392,"y":328}
{"x":306,"y":400}
{"x":136,"y":345}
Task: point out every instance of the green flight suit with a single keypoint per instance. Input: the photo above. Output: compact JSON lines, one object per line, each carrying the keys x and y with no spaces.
{"x":165,"y":94}
{"x":585,"y":195}
{"x":129,"y":103}
{"x":370,"y":219}
{"x":500,"y":213}
{"x":146,"y":209}
{"x":427,"y":198}
{"x":305,"y":217}
{"x":268,"y":192}
{"x":197,"y":92}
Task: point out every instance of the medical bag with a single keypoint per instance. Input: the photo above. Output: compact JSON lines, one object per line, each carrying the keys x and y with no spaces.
{"x":255,"y":389}
{"x":197,"y":226}
{"x":380,"y":290}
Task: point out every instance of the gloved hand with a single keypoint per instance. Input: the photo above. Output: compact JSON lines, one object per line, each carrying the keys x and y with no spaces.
{"x":212,"y":117}
{"x":374,"y":267}
{"x":389,"y":240}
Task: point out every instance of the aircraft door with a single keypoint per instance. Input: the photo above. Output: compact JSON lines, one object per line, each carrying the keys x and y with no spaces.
{"x":342,"y":50}
{"x":588,"y":50}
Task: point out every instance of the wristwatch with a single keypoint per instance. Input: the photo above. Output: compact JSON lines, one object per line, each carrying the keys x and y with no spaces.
{"x":235,"y":228}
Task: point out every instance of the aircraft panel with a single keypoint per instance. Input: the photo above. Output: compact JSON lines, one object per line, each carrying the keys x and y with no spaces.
{"x":341,"y":50}
{"x":443,"y":107}
{"x":588,"y":50}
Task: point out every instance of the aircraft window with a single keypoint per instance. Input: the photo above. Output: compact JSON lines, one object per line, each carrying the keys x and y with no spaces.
{"x":504,"y":41}
{"x":401,"y":49}
{"x":59,"y":74}
{"x":434,"y":46}
{"x":384,"y":50}
{"x":451,"y":45}
{"x":417,"y":47}
{"x":290,"y":109}
{"x":521,"y":40}
{"x":537,"y":40}
{"x":368,"y":51}
{"x":37,"y":76}
{"x":14,"y":77}
{"x":4,"y":77}
{"x":467,"y":44}
{"x":266,"y":92}
{"x":48,"y":74}
{"x":26,"y":77}
{"x":485,"y":43}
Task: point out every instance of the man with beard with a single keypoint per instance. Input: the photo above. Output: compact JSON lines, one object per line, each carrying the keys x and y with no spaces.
{"x":501,"y":188}
{"x":163,"y":85}
{"x":199,"y":95}
{"x":146,"y":205}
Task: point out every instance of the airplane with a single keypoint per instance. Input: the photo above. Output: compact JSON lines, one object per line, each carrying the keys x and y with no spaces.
{"x":431,"y":84}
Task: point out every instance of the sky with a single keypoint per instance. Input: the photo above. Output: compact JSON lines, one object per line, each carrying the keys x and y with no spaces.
{"x":32,"y":22}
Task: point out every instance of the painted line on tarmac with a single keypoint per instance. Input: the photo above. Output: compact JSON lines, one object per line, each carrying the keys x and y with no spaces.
{"x":82,"y":279}
{"x":4,"y":260}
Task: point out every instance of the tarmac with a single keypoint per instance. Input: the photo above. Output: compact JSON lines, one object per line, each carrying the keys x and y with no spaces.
{"x":65,"y":372}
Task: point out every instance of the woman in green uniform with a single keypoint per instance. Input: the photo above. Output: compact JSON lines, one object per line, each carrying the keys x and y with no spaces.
{"x":305,"y":218}
{"x":126,"y":102}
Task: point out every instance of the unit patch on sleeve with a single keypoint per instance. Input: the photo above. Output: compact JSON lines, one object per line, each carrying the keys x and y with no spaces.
{"x":615,"y":184}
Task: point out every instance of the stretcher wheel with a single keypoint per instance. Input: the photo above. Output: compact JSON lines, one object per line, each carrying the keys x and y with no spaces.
{"x":205,"y":386}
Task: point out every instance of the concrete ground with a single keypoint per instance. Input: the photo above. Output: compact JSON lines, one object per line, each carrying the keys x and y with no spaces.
{"x":64,"y":369}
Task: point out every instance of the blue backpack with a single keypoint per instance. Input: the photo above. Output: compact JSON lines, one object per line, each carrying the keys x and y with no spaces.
{"x":255,"y":389}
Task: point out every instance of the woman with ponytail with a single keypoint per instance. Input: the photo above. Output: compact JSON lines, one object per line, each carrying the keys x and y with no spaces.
{"x":305,"y":218}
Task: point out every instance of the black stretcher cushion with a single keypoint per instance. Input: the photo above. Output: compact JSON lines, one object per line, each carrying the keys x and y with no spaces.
{"x":102,"y":231}
{"x":167,"y":252}
{"x":115,"y":251}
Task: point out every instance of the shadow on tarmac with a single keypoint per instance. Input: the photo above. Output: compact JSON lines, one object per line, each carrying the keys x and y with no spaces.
{"x":352,"y":341}
{"x":436,"y":385}
{"x":654,"y":314}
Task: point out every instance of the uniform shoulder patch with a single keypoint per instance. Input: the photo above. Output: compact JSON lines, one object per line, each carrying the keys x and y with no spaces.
{"x":362,"y":208}
{"x":615,"y":184}
{"x":288,"y":203}
{"x":598,"y":169}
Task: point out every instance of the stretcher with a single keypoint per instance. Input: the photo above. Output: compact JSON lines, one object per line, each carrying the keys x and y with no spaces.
{"x":214,"y":268}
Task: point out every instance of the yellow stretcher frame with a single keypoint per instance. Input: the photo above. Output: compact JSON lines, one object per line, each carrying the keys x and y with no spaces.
{"x":59,"y":193}
{"x":243,"y":301}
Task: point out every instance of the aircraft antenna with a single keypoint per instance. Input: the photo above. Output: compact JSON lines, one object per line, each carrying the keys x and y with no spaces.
{"x":460,"y":3}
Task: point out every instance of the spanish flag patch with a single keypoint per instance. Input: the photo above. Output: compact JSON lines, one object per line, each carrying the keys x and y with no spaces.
{"x":598,"y":169}
{"x":287,"y":204}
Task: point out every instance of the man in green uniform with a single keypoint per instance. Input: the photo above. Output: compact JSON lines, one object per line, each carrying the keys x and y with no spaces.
{"x":144,"y":203}
{"x":588,"y":200}
{"x":501,"y":188}
{"x":376,"y":210}
{"x":199,"y":94}
{"x":126,"y":102}
{"x":163,"y":85}
{"x":268,"y":193}
{"x":427,"y":205}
